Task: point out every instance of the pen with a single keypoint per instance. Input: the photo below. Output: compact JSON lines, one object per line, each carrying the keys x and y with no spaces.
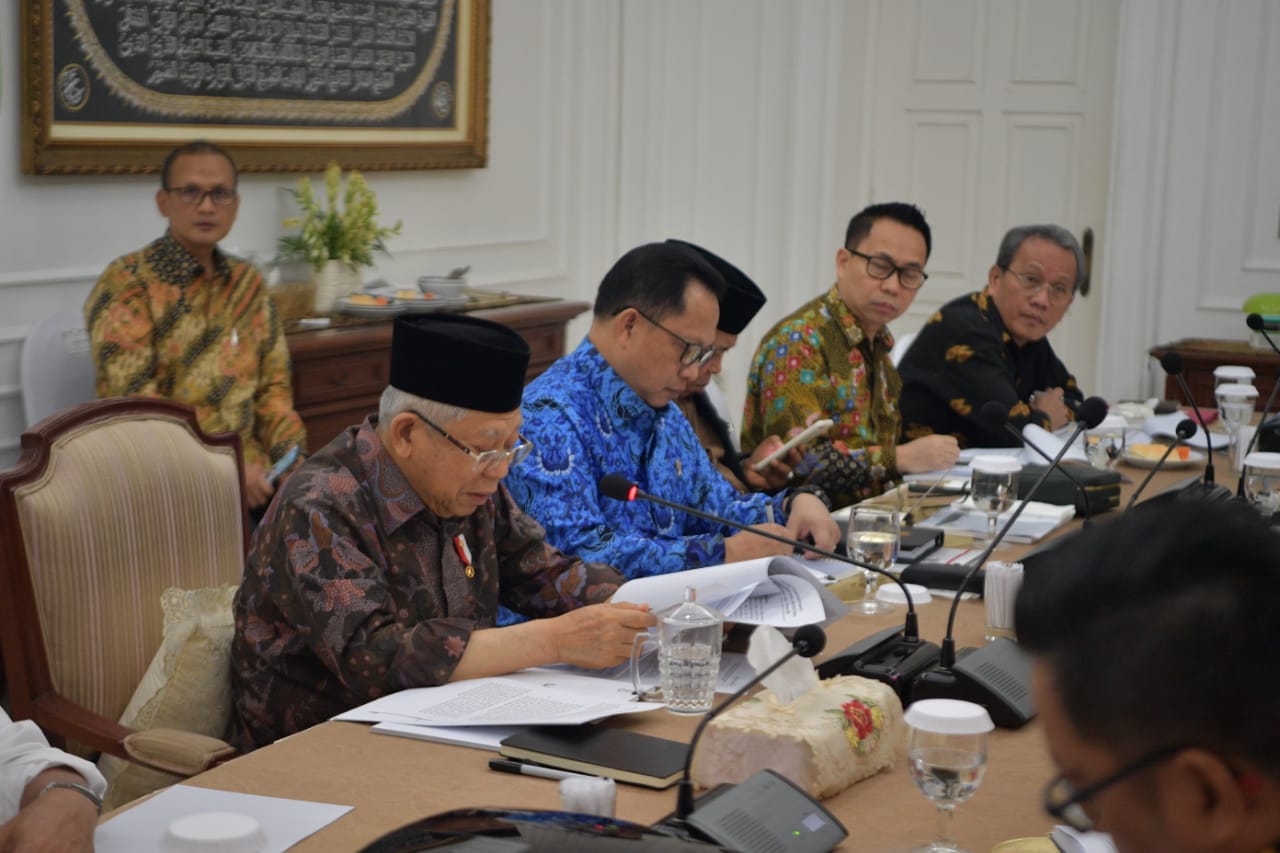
{"x":520,"y":767}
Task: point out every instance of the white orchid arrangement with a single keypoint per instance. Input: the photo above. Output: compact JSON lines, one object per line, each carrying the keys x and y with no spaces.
{"x":348,"y":232}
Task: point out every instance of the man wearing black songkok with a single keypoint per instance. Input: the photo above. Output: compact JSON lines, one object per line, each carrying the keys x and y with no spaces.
{"x":382,"y":562}
{"x":742,"y":300}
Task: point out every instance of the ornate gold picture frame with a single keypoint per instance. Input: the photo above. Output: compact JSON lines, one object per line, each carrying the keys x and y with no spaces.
{"x":284,"y":85}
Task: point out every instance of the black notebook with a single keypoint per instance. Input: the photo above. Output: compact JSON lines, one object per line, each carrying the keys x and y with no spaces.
{"x":619,"y":754}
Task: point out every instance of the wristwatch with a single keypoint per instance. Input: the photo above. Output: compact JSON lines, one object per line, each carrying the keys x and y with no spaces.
{"x":74,"y":786}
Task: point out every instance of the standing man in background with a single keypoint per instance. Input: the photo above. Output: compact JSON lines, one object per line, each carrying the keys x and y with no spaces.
{"x":830,"y":359}
{"x":742,"y":300}
{"x":180,"y":319}
{"x":993,"y":345}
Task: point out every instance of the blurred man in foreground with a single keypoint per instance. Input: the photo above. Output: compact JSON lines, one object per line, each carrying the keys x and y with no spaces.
{"x":1155,"y":647}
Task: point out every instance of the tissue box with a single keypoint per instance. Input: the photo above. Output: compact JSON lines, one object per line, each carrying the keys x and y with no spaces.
{"x":842,"y":731}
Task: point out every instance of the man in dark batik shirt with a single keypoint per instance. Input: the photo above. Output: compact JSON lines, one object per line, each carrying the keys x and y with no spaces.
{"x":992,"y":345}
{"x":381,"y":563}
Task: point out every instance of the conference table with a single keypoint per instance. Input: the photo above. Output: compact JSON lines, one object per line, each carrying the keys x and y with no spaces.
{"x":392,"y":781}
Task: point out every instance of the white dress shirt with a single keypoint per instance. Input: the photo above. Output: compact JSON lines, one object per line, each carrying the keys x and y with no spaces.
{"x":24,"y":755}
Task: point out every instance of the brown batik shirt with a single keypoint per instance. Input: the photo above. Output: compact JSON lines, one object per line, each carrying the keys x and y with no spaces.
{"x":354,"y":589}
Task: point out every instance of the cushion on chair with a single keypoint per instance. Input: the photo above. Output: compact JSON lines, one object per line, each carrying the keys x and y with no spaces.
{"x":126,"y":509}
{"x":186,"y":688}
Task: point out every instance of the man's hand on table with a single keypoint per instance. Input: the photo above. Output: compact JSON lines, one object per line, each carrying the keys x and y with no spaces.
{"x":599,"y":635}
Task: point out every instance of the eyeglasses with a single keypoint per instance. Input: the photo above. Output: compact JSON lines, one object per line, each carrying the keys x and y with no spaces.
{"x":693,"y":354}
{"x":882,"y":268}
{"x":1065,"y":802}
{"x":485,"y":460}
{"x":1032,"y":283}
{"x":194,"y":196}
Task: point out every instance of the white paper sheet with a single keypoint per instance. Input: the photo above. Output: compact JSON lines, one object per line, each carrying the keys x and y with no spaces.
{"x":779,"y":591}
{"x":530,"y":697}
{"x":1166,"y":426}
{"x":1036,"y":521}
{"x":477,"y":737}
{"x":141,"y":829}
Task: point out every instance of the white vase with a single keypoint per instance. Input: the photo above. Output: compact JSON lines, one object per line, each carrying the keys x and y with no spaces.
{"x":333,"y":280}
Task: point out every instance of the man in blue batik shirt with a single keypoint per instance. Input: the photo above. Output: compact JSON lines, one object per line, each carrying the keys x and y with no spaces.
{"x":606,"y":408}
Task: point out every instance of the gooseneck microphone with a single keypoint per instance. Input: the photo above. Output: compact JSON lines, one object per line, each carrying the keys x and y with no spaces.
{"x":994,"y":414}
{"x":1184,"y":430}
{"x":893,"y":656}
{"x":809,"y":640}
{"x":1254,"y":322}
{"x":1172,"y":364}
{"x":996,"y":676}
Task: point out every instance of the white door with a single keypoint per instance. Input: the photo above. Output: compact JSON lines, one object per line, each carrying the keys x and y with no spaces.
{"x":989,"y":114}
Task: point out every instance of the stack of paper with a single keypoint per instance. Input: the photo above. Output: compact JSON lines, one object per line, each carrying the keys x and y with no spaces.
{"x":1037,"y":521}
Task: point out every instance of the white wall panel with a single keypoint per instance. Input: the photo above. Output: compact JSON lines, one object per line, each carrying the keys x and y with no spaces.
{"x":947,"y":42}
{"x":1049,"y":39}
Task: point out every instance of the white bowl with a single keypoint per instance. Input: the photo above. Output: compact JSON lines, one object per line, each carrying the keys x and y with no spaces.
{"x":442,"y":285}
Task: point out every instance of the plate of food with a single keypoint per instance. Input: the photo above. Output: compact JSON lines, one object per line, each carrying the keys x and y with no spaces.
{"x":1148,"y":456}
{"x":417,"y":302}
{"x":369,"y":305}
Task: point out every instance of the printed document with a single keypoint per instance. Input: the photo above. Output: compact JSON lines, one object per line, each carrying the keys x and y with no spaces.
{"x":777,"y":591}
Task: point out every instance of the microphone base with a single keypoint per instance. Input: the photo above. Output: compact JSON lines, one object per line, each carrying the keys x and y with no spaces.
{"x":885,"y":656}
{"x":996,"y":676}
{"x":764,"y":813}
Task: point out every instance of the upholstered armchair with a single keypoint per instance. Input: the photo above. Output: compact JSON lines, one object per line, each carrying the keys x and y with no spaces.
{"x":112,"y":505}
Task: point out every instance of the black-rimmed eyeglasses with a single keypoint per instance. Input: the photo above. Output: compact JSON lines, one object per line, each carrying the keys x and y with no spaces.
{"x":194,"y":196}
{"x":1066,"y":802}
{"x":693,"y":354}
{"x":484,"y":460}
{"x":1032,"y":283}
{"x":882,"y":268}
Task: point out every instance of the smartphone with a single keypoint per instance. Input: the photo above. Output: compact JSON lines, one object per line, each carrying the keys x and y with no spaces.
{"x":816,"y":429}
{"x":283,"y":465}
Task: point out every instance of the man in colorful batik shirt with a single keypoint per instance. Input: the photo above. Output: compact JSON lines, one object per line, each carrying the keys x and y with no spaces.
{"x":830,"y":359}
{"x":993,"y":345}
{"x":607,"y":408}
{"x":180,"y":319}
{"x":382,"y":562}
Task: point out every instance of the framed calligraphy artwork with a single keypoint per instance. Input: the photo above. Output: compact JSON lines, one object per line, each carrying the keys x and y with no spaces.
{"x":110,"y":86}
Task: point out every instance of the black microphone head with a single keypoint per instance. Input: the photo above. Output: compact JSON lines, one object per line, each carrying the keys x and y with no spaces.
{"x":1185,"y":429}
{"x":1172,"y":363}
{"x":1254,"y":321}
{"x":618,"y":487}
{"x":809,"y":640}
{"x":993,"y":414}
{"x":1093,"y":410}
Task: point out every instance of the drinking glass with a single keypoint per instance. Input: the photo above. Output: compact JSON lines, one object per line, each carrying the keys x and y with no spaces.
{"x":1262,"y":482}
{"x":688,"y":636}
{"x":1235,"y":404}
{"x":873,"y":539}
{"x":947,"y":750}
{"x":993,"y":484}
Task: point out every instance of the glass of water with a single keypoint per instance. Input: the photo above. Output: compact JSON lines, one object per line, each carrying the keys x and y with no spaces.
{"x":1262,"y":482}
{"x":947,"y":749}
{"x":993,"y":485}
{"x":874,"y":533}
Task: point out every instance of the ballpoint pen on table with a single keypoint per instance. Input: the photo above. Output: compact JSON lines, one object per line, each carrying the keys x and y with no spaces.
{"x":526,"y":769}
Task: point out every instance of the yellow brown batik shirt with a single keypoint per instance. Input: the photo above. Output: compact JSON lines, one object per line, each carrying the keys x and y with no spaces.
{"x":162,"y":326}
{"x":817,"y":363}
{"x":964,"y":357}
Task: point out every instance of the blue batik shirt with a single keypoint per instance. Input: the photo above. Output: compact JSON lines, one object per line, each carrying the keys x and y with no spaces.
{"x":585,"y":422}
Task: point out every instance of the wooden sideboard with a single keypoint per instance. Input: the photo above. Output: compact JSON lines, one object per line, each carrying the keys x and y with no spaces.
{"x":1201,"y":355}
{"x":339,"y":373}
